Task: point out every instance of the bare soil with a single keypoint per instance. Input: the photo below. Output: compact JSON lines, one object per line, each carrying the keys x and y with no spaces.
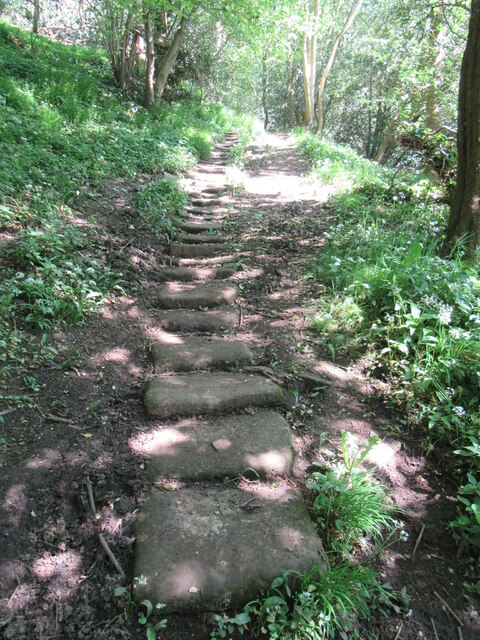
{"x":55,"y":579}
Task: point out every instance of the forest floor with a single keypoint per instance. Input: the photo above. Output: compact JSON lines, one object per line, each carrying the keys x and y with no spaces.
{"x":55,"y":580}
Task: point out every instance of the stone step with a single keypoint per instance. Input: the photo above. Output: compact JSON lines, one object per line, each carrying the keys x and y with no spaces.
{"x":176,"y":353}
{"x":214,"y":548}
{"x":202,"y":238}
{"x":197,"y":226}
{"x":205,"y":393}
{"x":203,"y":250}
{"x":194,"y":274}
{"x":217,"y":448}
{"x":214,"y":190}
{"x":196,"y":296}
{"x":229,"y":258}
{"x":207,"y":213}
{"x":199,"y":321}
{"x":206,"y":202}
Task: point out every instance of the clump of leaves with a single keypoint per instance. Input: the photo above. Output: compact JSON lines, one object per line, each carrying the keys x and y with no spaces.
{"x":162,"y":204}
{"x":316,"y":605}
{"x":328,"y":601}
{"x":349,"y":504}
{"x":54,"y":279}
{"x":143,"y":612}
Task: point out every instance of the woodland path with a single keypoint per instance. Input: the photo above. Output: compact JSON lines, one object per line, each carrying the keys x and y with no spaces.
{"x":231,"y":293}
{"x":208,"y":543}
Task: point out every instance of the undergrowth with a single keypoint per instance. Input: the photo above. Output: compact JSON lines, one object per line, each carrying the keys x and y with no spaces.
{"x":162,"y":204}
{"x":389,"y":297}
{"x":64,"y":129}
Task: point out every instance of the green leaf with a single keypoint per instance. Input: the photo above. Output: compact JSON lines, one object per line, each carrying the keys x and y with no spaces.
{"x":151,"y":635}
{"x":241,"y":618}
{"x":119,"y":591}
{"x":414,"y":253}
{"x":148,"y":606}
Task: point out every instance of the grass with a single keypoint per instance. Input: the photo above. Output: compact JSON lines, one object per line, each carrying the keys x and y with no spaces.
{"x":65,"y":129}
{"x":390,"y":299}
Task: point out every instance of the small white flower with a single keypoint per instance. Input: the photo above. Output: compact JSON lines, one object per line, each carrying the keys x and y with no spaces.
{"x":160,"y":605}
{"x":459,"y":411}
{"x":445,"y":314}
{"x":140,"y":580}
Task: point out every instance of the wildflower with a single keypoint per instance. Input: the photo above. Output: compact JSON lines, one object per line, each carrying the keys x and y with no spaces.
{"x":160,"y":605}
{"x":140,"y":580}
{"x":459,"y":411}
{"x":445,"y":314}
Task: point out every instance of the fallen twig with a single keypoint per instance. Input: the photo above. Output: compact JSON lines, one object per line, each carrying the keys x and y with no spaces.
{"x":240,"y":319}
{"x":397,"y":635}
{"x":53,"y":418}
{"x":125,"y":245}
{"x":7,"y":411}
{"x":460,"y":634}
{"x":420,"y":535}
{"x":434,"y":628}
{"x":101,"y":539}
{"x":448,"y":608}
{"x":245,"y":504}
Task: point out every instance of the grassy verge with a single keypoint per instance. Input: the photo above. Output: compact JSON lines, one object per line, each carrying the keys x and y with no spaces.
{"x":64,"y":129}
{"x":389,"y":298}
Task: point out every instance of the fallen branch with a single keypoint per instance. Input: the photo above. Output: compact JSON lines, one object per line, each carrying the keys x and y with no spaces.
{"x":448,"y":608}
{"x":101,"y":539}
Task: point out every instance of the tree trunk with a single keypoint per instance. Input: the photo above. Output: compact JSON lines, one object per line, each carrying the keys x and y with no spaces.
{"x":36,"y":16}
{"x":150,"y":53}
{"x":292,"y":73}
{"x":168,"y":60}
{"x":382,"y":156}
{"x":264,"y":90}
{"x":329,"y":65}
{"x":309,"y":61}
{"x":464,"y":220}
{"x":433,"y":63}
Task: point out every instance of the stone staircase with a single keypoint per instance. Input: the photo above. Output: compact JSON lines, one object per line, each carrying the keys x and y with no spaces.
{"x":204,"y":540}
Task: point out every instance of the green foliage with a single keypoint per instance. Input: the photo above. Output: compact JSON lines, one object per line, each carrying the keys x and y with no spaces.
{"x":349,"y":504}
{"x":143,"y":612}
{"x":417,"y":315}
{"x":63,"y":127}
{"x":467,"y":525}
{"x":161,"y":204}
{"x":54,"y":280}
{"x":321,"y":604}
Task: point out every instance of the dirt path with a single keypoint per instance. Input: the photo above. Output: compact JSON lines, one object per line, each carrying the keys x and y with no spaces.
{"x":55,"y":580}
